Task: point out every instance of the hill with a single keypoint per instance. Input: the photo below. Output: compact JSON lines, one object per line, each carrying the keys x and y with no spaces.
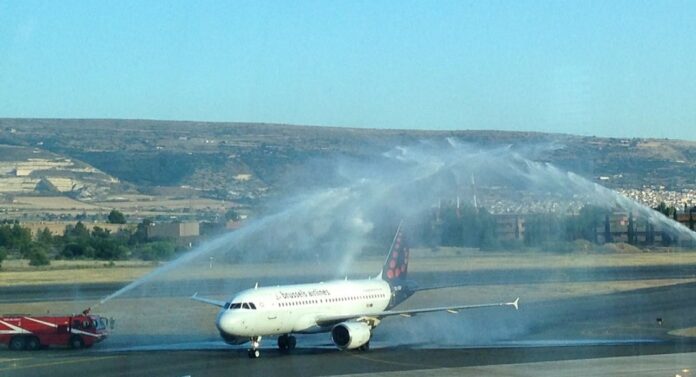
{"x":243,"y":161}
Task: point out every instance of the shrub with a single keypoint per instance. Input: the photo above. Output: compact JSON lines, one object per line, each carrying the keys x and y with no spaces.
{"x":3,"y":254}
{"x":116,"y":217}
{"x":156,"y":251}
{"x":38,"y":256}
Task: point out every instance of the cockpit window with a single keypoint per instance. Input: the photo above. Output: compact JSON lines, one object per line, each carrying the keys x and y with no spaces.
{"x":241,"y":305}
{"x":227,"y":305}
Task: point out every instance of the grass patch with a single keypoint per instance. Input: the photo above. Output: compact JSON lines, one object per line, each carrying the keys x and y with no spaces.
{"x":18,"y":272}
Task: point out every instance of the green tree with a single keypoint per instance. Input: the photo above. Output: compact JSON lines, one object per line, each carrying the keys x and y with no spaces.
{"x":74,"y":250}
{"x":99,"y":232}
{"x":487,"y":225}
{"x":14,"y":237}
{"x":3,"y":255}
{"x":5,"y":235}
{"x":158,"y":250}
{"x":45,"y":237}
{"x":77,"y":232}
{"x":663,"y":209}
{"x":546,"y":229}
{"x":76,"y":242}
{"x":668,"y":212}
{"x":649,"y":233}
{"x":105,"y":245}
{"x":38,"y":255}
{"x":116,"y":217}
{"x":140,"y":234}
{"x":587,"y":221}
{"x":451,"y":227}
{"x":631,"y":230}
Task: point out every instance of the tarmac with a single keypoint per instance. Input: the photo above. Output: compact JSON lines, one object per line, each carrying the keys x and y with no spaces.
{"x":678,"y":365}
{"x":593,"y":335}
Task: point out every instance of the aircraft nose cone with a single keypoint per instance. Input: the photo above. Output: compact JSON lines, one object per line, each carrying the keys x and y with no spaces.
{"x":227,"y":323}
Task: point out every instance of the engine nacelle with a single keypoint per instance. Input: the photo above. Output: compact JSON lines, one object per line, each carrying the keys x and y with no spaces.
{"x":350,"y":335}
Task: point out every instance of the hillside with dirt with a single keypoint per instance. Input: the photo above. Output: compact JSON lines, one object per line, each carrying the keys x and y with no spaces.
{"x":244,"y":161}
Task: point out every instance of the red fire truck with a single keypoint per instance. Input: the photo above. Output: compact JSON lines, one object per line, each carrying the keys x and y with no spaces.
{"x":28,"y":332}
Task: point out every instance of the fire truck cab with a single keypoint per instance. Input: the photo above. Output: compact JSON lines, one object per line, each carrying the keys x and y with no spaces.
{"x":26,"y":332}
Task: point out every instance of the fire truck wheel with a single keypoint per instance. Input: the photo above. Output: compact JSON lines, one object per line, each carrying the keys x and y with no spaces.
{"x":76,"y":342}
{"x":33,"y":343}
{"x":17,"y":343}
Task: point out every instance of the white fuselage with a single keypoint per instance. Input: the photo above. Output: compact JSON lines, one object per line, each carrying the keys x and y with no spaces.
{"x":296,"y":308}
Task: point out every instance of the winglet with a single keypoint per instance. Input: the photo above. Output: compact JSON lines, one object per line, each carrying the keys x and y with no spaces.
{"x":515,"y":303}
{"x":194,"y":295}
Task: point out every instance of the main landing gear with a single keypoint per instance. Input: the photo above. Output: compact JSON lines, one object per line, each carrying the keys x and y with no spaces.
{"x":254,"y":350}
{"x":286,"y":342}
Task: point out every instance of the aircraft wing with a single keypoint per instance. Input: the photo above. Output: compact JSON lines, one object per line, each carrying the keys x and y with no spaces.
{"x":328,"y":320}
{"x":208,"y":301}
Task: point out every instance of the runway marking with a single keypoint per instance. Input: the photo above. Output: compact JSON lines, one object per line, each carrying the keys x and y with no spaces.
{"x":398,"y":363}
{"x":63,"y":362}
{"x":3,"y":360}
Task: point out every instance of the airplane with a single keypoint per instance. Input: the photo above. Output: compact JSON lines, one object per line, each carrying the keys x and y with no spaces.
{"x":348,"y":309}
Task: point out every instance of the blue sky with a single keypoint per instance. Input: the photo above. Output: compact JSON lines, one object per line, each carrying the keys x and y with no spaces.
{"x":605,"y":68}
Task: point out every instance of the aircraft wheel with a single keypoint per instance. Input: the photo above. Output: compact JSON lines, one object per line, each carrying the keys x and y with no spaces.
{"x":283,"y":343}
{"x":254,"y":353}
{"x":17,"y":343}
{"x":291,"y":342}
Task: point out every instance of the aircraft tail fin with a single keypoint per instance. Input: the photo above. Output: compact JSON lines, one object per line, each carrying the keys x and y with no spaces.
{"x":396,"y":264}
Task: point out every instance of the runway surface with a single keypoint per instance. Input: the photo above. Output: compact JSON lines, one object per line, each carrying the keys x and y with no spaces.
{"x":621,"y":325}
{"x":312,"y":362}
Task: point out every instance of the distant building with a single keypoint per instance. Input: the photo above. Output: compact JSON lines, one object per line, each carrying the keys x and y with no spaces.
{"x":688,"y":218}
{"x":509,"y":227}
{"x":184,"y":232}
{"x":233,"y":225}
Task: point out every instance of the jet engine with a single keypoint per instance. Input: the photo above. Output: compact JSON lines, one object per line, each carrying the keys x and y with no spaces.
{"x":350,"y":335}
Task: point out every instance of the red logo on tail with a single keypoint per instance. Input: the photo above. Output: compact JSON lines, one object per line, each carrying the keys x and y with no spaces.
{"x":396,"y":265}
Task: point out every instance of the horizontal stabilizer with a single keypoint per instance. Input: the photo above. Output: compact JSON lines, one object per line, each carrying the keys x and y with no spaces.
{"x":515,"y":303}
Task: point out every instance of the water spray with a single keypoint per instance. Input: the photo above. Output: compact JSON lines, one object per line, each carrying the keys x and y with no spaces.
{"x":336,"y":221}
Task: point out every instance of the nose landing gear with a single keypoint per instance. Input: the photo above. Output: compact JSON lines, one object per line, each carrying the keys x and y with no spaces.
{"x":254,"y":350}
